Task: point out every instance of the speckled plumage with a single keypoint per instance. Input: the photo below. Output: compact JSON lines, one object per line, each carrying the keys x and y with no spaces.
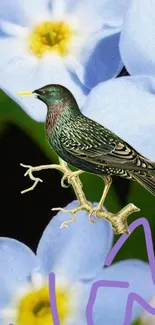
{"x":87,"y":145}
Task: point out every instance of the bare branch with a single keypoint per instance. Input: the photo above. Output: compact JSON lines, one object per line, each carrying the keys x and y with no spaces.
{"x":118,"y":220}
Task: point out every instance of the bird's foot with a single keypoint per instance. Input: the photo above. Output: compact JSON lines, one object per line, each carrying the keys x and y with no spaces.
{"x":95,"y":212}
{"x":72,"y":211}
{"x":68,"y":176}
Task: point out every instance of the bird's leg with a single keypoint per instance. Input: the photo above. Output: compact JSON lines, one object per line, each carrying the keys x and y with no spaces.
{"x":69,"y":176}
{"x":107,"y":181}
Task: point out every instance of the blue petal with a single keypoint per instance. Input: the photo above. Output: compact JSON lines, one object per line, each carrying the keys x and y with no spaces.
{"x":23,"y":12}
{"x":99,"y":59}
{"x":16,"y":263}
{"x":110,"y":304}
{"x":78,"y":251}
{"x":137,"y":45}
{"x":126,"y":106}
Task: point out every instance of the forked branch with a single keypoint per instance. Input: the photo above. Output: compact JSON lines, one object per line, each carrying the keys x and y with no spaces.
{"x":118,"y":220}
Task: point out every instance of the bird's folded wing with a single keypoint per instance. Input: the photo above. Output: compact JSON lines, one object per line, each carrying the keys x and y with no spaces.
{"x":100,"y":146}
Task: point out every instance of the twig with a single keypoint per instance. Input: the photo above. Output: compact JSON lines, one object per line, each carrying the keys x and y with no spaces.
{"x":118,"y":220}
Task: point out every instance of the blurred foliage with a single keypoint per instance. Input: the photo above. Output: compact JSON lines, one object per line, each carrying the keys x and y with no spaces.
{"x":137,"y":322}
{"x":10,"y":112}
{"x":93,"y":188}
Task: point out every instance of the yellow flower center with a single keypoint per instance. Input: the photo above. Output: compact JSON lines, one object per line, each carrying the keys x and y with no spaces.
{"x":34,"y":308}
{"x":50,"y":36}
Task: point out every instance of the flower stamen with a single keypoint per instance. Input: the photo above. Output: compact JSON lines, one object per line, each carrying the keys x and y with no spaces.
{"x":34,"y":307}
{"x":50,"y":36}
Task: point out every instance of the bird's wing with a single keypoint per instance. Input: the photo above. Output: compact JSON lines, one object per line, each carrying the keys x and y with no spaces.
{"x":84,"y":139}
{"x":90,"y":141}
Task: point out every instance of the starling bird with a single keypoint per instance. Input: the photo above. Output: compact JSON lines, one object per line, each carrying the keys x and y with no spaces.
{"x":87,"y":145}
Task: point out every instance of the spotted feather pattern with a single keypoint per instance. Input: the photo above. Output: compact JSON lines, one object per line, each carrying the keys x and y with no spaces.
{"x":87,"y":140}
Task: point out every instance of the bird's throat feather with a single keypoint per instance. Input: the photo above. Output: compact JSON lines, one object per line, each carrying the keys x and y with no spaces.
{"x":54,"y":113}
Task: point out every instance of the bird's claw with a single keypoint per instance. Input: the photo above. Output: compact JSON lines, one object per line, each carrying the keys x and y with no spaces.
{"x":64,"y":178}
{"x":68,"y":176}
{"x":94,"y":212}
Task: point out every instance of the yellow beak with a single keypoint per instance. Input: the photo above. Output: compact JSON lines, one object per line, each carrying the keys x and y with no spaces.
{"x":25,"y":93}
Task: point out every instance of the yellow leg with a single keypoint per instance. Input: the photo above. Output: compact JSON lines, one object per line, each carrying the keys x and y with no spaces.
{"x":108,"y":182}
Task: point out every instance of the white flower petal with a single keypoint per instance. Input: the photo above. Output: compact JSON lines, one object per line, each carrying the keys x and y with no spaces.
{"x":37,"y":279}
{"x":20,"y":292}
{"x":114,"y":11}
{"x":23,"y":12}
{"x":75,"y":292}
{"x":17,"y":262}
{"x":94,"y":14}
{"x":12,"y":29}
{"x":5,"y":54}
{"x":137,"y":45}
{"x":7,"y":312}
{"x":126,"y":106}
{"x":84,"y":11}
{"x":8,"y":316}
{"x":58,"y":9}
{"x":59,"y":74}
{"x":22,"y":74}
{"x":99,"y":59}
{"x":29,"y":73}
{"x":147,"y":318}
{"x":88,"y":14}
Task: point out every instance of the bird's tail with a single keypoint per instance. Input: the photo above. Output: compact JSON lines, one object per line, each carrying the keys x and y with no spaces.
{"x":147,"y":180}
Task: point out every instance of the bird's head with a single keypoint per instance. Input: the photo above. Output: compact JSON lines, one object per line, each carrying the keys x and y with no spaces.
{"x":50,"y":94}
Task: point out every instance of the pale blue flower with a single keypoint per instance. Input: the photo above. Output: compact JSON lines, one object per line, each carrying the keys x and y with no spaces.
{"x":137,"y":45}
{"x":92,"y":53}
{"x":126,"y":106}
{"x":146,"y":318}
{"x":77,"y":256}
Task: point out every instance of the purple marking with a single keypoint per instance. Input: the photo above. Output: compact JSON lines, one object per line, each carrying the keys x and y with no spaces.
{"x":96,"y":285}
{"x":134,"y":297}
{"x":53,"y":303}
{"x":116,"y":284}
{"x":148,"y":240}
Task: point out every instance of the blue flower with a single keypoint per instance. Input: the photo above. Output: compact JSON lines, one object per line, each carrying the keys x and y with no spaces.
{"x":146,"y":318}
{"x":126,"y":106}
{"x":76,"y":255}
{"x":137,"y":45}
{"x":73,"y":43}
